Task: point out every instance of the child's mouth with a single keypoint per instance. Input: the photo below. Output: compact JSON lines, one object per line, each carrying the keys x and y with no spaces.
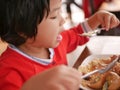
{"x":59,"y":38}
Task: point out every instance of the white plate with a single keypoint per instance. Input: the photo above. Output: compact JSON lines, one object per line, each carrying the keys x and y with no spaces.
{"x":92,"y":57}
{"x":88,"y":60}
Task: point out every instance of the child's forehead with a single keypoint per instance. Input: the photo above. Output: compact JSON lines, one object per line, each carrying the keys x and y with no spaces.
{"x":55,"y":4}
{"x":55,"y":1}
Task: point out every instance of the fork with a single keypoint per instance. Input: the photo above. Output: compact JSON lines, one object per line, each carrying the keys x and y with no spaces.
{"x":101,"y":71}
{"x":91,"y":33}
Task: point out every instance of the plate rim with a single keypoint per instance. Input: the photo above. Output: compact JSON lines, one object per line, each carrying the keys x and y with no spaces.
{"x":93,"y":56}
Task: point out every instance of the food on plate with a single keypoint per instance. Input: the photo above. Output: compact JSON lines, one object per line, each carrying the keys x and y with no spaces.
{"x":113,"y":80}
{"x":107,"y":81}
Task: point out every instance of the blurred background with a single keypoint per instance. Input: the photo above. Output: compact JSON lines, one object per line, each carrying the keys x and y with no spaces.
{"x":75,"y":11}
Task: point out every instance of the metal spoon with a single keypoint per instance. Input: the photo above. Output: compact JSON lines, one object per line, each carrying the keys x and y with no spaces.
{"x":92,"y":33}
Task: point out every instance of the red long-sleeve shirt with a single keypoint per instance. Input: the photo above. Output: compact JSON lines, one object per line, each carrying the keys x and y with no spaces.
{"x":15,"y":68}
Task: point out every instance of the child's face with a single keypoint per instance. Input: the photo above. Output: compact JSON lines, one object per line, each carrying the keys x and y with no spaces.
{"x":50,"y":28}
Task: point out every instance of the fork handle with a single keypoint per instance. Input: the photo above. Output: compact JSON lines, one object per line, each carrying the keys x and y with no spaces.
{"x":88,"y":74}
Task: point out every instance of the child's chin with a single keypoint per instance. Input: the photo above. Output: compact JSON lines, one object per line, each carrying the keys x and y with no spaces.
{"x":56,"y":45}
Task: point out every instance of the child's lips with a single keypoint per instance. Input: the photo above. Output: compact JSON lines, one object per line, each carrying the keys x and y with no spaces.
{"x":59,"y":37}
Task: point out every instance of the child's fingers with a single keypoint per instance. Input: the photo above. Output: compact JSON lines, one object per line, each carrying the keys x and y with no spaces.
{"x":107,"y":21}
{"x":114,"y":22}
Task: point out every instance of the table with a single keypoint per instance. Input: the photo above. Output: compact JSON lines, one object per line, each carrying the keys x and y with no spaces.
{"x":100,"y":45}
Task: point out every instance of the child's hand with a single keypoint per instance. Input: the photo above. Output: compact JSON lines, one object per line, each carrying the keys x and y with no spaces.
{"x":57,"y":78}
{"x":106,"y":19}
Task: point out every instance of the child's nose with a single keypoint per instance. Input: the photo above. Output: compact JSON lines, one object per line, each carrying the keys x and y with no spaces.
{"x":62,"y":21}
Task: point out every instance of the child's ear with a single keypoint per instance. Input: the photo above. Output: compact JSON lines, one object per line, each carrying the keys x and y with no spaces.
{"x":22,"y":35}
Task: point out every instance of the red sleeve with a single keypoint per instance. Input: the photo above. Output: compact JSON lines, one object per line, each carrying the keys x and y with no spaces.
{"x":71,"y":39}
{"x":10,"y":80}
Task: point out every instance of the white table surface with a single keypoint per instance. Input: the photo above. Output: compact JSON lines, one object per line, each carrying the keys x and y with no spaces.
{"x":104,"y":45}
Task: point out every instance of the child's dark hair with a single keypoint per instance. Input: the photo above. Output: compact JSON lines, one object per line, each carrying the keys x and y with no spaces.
{"x":19,"y":19}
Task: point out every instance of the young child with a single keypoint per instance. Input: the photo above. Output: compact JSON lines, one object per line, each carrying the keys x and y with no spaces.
{"x":33,"y":29}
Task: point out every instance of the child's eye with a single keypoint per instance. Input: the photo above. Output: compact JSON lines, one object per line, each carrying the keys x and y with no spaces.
{"x":53,"y":17}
